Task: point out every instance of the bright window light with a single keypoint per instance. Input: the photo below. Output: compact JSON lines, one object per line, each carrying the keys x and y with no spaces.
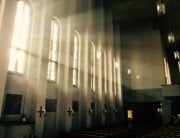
{"x":19,"y":39}
{"x":93,"y":56}
{"x":75,"y":60}
{"x":105,"y":74}
{"x":53,"y":52}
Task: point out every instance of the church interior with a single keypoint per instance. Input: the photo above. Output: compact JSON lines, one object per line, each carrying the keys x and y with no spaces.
{"x":107,"y":65}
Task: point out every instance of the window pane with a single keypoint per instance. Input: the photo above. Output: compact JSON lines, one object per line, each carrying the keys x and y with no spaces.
{"x":52,"y":78}
{"x":75,"y":60}
{"x":74,"y":77}
{"x":53,"y":52}
{"x":20,"y":62}
{"x":53,"y":66}
{"x":21,"y":26}
{"x":105,"y":76}
{"x":93,"y":66}
{"x":12,"y":61}
{"x":19,"y":38}
{"x":54,"y":56}
{"x":49,"y":70}
{"x":52,"y":70}
{"x":54,"y":46}
{"x":50,"y":54}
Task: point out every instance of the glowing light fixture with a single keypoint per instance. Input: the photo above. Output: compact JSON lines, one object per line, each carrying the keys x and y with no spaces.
{"x":159,"y":110}
{"x":161,"y":9}
{"x":171,"y":38}
{"x":176,"y":55}
{"x":130,"y":114}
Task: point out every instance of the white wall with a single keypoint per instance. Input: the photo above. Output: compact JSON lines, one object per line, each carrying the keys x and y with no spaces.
{"x":92,"y":25}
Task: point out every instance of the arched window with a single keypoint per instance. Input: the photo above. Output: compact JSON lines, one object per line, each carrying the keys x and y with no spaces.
{"x":167,"y":72}
{"x":93,"y":59}
{"x":53,"y":52}
{"x":105,"y":74}
{"x":19,"y":39}
{"x":115,"y":66}
{"x":76,"y":59}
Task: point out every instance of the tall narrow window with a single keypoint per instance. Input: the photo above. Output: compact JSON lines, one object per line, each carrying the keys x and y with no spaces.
{"x":53,"y":52}
{"x":93,"y":58}
{"x":167,"y":72}
{"x":75,"y":60}
{"x":105,"y":74}
{"x":115,"y":77}
{"x":19,"y":39}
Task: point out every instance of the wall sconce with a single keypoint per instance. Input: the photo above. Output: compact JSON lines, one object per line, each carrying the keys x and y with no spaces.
{"x":171,"y":38}
{"x":159,"y":110}
{"x":176,"y":55}
{"x":130,"y":114}
{"x":98,"y":54}
{"x":161,"y":9}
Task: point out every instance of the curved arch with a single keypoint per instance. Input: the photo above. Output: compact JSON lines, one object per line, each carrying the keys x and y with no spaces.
{"x":54,"y":51}
{"x":58,"y":21}
{"x":29,"y":3}
{"x":79,"y":37}
{"x":76,"y":58}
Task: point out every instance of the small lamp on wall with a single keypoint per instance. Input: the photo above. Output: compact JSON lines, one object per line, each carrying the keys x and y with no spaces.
{"x":176,"y":55}
{"x":161,"y":9}
{"x":171,"y":38}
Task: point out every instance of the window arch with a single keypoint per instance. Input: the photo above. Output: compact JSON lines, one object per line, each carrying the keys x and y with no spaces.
{"x":18,"y":48}
{"x":76,"y":54}
{"x":53,"y":51}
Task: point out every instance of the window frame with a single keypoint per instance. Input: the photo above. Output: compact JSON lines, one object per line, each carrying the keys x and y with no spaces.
{"x":20,"y":32}
{"x":53,"y":52}
{"x":75,"y":68}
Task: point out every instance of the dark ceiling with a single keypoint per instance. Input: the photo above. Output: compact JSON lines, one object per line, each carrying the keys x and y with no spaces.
{"x":132,"y":13}
{"x":128,"y":12}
